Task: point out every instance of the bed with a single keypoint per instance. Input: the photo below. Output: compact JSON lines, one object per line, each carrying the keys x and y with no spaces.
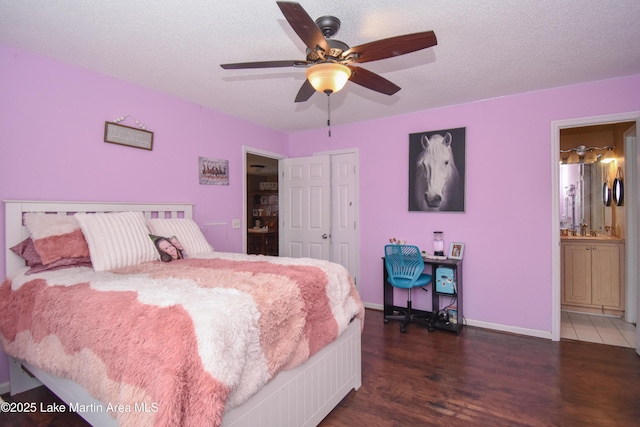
{"x":296,"y":387}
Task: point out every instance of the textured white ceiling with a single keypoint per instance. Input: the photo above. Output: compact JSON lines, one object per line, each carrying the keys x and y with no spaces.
{"x":486,"y":49}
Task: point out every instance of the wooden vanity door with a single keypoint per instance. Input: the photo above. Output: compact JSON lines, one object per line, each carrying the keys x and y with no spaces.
{"x":605,"y":270}
{"x":576,"y":278}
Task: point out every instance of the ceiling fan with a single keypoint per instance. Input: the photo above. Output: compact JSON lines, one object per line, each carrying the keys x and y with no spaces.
{"x":329,"y":60}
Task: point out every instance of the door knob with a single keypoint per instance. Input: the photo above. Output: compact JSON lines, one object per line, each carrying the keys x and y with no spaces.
{"x":325,"y":236}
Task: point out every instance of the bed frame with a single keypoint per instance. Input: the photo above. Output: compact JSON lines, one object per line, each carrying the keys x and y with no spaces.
{"x":302,"y":396}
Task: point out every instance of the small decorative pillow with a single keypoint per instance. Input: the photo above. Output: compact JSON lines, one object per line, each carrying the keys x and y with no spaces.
{"x":169,"y":248}
{"x":56,"y":236}
{"x":117,"y":240}
{"x":27,"y":251}
{"x":60,"y":264}
{"x":185,"y":230}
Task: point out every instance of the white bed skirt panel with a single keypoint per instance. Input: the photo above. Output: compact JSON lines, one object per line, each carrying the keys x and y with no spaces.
{"x":302,"y":396}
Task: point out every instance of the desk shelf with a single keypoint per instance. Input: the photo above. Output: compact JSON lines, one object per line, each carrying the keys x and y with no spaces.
{"x":436,"y":306}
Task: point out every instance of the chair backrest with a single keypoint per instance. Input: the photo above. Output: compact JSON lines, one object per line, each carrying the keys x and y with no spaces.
{"x":403,"y":262}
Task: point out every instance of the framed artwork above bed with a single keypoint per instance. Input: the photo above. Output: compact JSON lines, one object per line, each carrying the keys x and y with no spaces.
{"x":125,"y":135}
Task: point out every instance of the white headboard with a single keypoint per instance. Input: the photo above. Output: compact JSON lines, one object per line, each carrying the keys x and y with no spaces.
{"x":15,"y":230}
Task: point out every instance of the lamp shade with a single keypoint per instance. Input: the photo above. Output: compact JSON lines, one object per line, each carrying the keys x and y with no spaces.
{"x":328,"y":77}
{"x":608,"y":157}
{"x":591,"y":157}
{"x":573,"y":158}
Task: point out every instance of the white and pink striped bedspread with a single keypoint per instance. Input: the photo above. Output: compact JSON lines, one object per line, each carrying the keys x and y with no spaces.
{"x":185,"y":339}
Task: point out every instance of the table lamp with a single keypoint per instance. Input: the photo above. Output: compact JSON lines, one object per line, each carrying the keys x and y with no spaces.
{"x":438,"y":243}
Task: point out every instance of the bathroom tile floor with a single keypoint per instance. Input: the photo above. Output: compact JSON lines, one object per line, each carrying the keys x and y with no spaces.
{"x":598,"y":329}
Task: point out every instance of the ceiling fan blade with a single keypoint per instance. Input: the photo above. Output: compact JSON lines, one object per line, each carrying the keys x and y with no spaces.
{"x":305,"y":92}
{"x":303,"y":25}
{"x":264,"y":64}
{"x":372,"y":81}
{"x":393,"y":46}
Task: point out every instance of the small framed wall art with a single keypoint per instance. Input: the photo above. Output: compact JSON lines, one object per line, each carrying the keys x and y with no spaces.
{"x":213,"y":171}
{"x":125,"y":135}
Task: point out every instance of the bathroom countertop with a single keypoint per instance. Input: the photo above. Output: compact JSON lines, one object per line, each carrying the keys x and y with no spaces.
{"x":592,"y":238}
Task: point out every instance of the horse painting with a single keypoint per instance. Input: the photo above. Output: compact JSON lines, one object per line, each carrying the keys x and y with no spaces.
{"x":437,"y":185}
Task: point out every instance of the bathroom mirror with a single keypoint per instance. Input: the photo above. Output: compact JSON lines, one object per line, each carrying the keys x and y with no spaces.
{"x":581,"y":197}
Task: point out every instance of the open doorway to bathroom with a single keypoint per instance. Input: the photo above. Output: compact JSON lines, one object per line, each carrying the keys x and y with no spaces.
{"x":595,"y":240}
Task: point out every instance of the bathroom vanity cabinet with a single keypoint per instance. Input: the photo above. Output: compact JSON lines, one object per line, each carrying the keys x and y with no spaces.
{"x":593,"y":275}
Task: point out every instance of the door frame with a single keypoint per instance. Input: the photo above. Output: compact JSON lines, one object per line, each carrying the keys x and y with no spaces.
{"x":632,"y":229}
{"x":259,"y":152}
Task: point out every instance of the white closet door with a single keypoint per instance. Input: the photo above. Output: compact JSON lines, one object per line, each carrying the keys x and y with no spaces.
{"x":305,"y":223}
{"x":344,"y":207}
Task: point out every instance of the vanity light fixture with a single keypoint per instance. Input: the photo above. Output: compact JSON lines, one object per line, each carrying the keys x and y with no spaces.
{"x":588,"y":154}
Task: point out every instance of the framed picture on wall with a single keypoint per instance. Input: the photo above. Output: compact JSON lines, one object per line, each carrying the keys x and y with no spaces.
{"x":437,"y":170}
{"x":213,"y":171}
{"x":125,"y":135}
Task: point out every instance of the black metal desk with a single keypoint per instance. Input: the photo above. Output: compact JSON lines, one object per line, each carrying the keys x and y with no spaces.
{"x":436,"y":322}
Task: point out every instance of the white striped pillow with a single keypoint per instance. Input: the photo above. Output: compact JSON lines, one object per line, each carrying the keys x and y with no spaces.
{"x":185,"y":229}
{"x":117,"y":240}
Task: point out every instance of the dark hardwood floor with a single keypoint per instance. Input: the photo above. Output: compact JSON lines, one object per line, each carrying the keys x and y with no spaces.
{"x":479,"y":378}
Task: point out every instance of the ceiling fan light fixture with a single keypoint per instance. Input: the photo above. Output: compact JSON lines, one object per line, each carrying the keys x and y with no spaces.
{"x":329,"y":77}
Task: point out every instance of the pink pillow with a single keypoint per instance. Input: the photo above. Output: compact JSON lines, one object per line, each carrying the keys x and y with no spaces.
{"x":27,"y":251}
{"x":60,"y":264}
{"x":56,"y":236}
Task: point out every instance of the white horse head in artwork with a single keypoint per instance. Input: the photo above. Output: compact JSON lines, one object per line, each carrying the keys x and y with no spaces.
{"x":437,"y":178}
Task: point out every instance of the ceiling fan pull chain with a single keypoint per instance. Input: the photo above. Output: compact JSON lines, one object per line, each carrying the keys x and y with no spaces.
{"x":329,"y":112}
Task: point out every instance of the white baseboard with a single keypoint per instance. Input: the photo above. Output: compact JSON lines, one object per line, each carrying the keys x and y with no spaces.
{"x":372,"y":306}
{"x":486,"y":325}
{"x":5,"y":388}
{"x":511,"y":329}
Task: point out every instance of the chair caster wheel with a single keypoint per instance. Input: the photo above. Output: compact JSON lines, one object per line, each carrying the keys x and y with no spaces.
{"x":403,"y":330}
{"x":430,"y":328}
{"x":386,"y":320}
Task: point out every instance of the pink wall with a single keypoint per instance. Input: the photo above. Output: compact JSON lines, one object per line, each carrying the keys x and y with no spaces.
{"x":51,"y":145}
{"x":507,"y":223}
{"x":51,"y":128}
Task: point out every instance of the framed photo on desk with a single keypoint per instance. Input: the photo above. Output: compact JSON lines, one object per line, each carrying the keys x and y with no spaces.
{"x":456,"y":249}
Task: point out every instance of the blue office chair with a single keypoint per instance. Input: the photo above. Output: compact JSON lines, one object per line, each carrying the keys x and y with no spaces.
{"x":405,"y":268}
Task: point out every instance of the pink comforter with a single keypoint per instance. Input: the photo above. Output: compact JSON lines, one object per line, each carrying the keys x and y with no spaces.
{"x":177,"y":343}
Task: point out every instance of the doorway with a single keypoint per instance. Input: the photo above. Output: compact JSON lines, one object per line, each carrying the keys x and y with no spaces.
{"x":630,"y":221}
{"x":260,"y":233}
